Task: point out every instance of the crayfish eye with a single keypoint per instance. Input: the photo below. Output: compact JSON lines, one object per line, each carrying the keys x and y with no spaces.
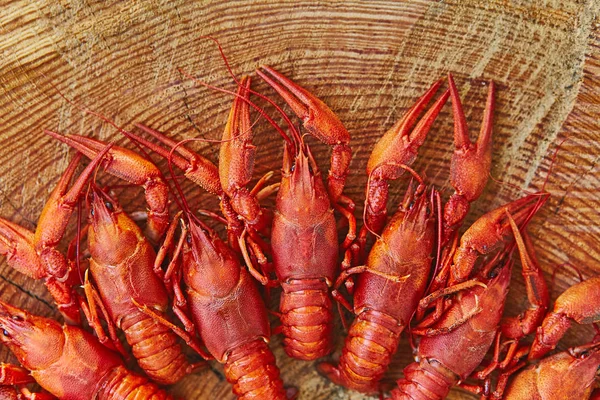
{"x":188,"y":239}
{"x":5,"y":333}
{"x":92,"y":211}
{"x":17,"y":318}
{"x":109,"y":206}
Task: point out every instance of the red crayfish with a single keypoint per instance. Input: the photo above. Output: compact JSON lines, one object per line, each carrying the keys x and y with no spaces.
{"x":304,"y":237}
{"x":66,"y":361}
{"x":384,"y":302}
{"x":36,"y":254}
{"x":454,"y":346}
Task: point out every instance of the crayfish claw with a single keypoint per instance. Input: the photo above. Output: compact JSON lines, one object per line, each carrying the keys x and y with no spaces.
{"x":320,"y":121}
{"x":299,"y":99}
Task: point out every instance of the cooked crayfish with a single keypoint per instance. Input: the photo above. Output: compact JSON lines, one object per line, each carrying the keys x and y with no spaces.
{"x":122,"y":265}
{"x":304,"y":237}
{"x":395,"y":276}
{"x":387,"y":292}
{"x":229,"y":314}
{"x":305,"y":251}
{"x":67,"y":361}
{"x":456,"y":343}
{"x":570,"y":374}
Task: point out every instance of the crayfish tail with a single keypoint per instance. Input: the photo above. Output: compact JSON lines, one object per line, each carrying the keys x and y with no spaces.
{"x":372,"y":341}
{"x":122,"y":384}
{"x":424,"y":380}
{"x":156,"y":349}
{"x":251,"y":370}
{"x":307,"y":319}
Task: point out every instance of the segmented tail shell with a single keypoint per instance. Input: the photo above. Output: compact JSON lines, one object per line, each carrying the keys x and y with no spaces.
{"x":121,"y":384}
{"x":307,"y":318}
{"x":426,"y":380}
{"x":156,"y":349}
{"x":251,"y":370}
{"x":370,"y":345}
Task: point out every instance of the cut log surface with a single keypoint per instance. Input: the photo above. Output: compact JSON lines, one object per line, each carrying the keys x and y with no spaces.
{"x":368,"y":61}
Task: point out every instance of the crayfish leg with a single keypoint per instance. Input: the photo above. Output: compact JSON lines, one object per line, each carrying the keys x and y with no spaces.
{"x":91,"y":310}
{"x":579,"y":303}
{"x":535,"y":285}
{"x":14,"y":375}
{"x":491,"y":232}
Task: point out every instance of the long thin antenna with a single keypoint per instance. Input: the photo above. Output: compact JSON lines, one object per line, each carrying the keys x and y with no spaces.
{"x":295,"y":133}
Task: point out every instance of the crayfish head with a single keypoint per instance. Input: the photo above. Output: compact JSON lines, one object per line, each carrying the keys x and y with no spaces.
{"x":36,"y":341}
{"x":302,"y":196}
{"x":414,"y":222}
{"x":103,"y":208}
{"x":210,"y":266}
{"x":112,"y":234}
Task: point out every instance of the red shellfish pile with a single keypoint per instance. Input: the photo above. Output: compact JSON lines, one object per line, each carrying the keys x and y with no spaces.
{"x":133,"y":297}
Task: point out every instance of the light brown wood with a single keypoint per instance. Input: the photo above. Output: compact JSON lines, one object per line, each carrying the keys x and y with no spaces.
{"x":368,"y":60}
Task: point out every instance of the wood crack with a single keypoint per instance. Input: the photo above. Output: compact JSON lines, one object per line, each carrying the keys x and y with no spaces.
{"x":27,"y":292}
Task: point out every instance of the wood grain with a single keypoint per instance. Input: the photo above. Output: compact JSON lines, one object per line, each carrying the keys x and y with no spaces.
{"x":367,"y":60}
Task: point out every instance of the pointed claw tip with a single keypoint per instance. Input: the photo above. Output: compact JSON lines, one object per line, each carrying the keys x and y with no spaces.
{"x":435,"y":85}
{"x":452,"y":86}
{"x":261,"y":74}
{"x":450,"y":78}
{"x":262,"y":71}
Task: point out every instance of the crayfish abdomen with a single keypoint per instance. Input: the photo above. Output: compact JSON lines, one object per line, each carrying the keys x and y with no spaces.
{"x":372,"y":340}
{"x":155,"y":347}
{"x":119,"y":384}
{"x":306,"y":317}
{"x":252,"y":372}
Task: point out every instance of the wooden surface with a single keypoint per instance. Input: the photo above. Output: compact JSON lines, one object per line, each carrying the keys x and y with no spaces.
{"x":367,"y":60}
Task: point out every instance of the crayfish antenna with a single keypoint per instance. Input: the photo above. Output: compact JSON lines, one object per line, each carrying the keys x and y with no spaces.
{"x":251,"y":104}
